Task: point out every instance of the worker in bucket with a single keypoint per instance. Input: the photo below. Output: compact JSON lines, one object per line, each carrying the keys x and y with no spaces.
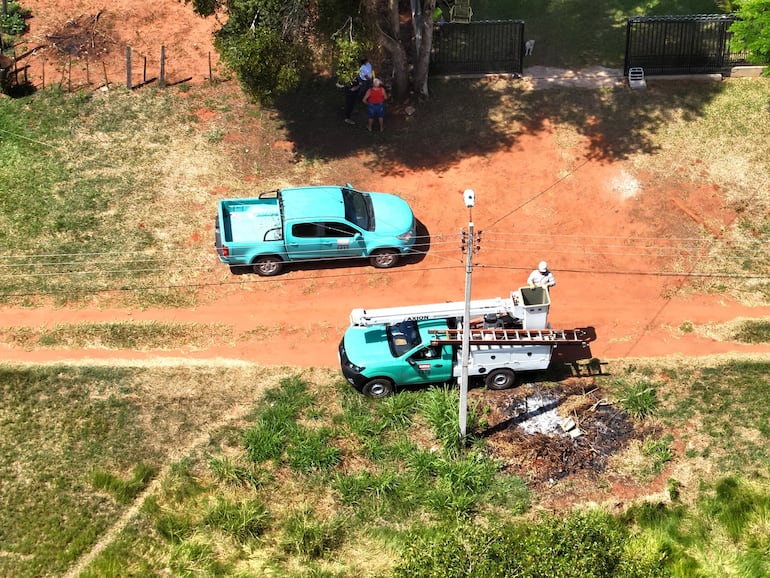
{"x":541,"y":277}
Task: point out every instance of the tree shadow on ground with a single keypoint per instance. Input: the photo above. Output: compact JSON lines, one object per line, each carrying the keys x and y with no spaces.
{"x":465,"y":118}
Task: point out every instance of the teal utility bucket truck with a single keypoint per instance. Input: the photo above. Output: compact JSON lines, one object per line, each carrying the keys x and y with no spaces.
{"x":422,"y":344}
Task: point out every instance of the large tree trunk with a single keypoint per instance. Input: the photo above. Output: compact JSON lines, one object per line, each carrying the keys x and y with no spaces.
{"x":399,"y":45}
{"x":422,"y":58}
{"x":393,"y":45}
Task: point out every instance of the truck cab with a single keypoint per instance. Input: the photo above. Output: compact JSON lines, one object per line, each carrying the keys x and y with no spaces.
{"x":374,"y":358}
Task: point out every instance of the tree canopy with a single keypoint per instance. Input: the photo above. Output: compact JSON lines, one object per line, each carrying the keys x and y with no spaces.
{"x":752,"y":31}
{"x":273,"y":44}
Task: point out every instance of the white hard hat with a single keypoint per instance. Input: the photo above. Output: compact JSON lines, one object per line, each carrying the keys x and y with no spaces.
{"x":542,"y":267}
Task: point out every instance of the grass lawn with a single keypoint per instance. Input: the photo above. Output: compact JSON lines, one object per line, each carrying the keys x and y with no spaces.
{"x":579,"y":33}
{"x":216,"y":470}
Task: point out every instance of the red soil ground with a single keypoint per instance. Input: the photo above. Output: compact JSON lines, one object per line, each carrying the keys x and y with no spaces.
{"x":587,"y":218}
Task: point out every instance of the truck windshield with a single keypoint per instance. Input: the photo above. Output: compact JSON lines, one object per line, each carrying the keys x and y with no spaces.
{"x":358,"y":208}
{"x":403,"y":337}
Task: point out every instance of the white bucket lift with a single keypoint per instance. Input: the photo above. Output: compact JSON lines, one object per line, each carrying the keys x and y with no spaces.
{"x":531,"y":306}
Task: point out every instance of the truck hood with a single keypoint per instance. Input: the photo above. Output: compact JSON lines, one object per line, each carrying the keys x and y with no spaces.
{"x":366,"y":346}
{"x":392,"y":214}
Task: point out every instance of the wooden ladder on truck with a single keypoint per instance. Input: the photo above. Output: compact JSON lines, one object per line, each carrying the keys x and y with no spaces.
{"x":497,"y":336}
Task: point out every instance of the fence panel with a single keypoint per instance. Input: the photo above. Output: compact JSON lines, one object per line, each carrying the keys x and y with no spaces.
{"x":484,"y":47}
{"x":689,"y":44}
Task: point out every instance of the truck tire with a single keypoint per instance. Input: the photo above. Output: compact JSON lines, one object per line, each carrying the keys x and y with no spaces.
{"x":378,"y":388}
{"x":498,"y":379}
{"x":267,"y":265}
{"x":384,"y":258}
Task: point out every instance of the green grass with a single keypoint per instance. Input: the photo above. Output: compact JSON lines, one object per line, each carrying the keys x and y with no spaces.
{"x":320,"y":478}
{"x":724,"y":533}
{"x":753,"y":332}
{"x":122,"y":489}
{"x":581,"y":33}
{"x":720,"y":407}
{"x":78,"y":444}
{"x":119,"y":335}
{"x":93,"y":184}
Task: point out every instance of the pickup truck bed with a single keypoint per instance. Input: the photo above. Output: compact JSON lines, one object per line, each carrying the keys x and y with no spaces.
{"x":248,"y":220}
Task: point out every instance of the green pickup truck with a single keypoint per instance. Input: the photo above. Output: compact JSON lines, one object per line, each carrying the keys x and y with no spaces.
{"x":319,"y":223}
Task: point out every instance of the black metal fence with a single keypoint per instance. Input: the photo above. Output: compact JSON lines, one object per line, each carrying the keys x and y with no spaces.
{"x":691,"y":44}
{"x":484,"y":47}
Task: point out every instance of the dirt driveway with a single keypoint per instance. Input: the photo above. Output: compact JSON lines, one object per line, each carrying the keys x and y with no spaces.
{"x":614,"y":241}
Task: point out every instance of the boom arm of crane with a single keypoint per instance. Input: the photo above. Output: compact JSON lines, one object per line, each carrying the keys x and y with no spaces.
{"x":529,"y":305}
{"x":480,"y":307}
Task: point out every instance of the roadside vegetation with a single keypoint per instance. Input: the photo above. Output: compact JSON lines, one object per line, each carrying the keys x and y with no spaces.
{"x":243,"y":472}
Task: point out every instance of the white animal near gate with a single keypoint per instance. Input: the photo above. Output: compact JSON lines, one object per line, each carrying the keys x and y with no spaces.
{"x":529,"y":46}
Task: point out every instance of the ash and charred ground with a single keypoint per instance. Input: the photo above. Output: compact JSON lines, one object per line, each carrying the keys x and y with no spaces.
{"x":544,"y":434}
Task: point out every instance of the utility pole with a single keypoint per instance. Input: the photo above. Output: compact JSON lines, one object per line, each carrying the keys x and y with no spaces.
{"x":470,"y":199}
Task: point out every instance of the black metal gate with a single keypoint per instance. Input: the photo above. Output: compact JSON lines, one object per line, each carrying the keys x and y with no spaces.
{"x":484,"y":47}
{"x":692,"y":44}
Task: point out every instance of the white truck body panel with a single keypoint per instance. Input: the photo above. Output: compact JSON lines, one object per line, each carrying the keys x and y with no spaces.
{"x":486,"y":358}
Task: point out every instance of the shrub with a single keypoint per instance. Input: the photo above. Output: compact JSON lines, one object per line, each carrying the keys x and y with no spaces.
{"x":581,"y":545}
{"x":639,"y":399}
{"x":243,"y":520}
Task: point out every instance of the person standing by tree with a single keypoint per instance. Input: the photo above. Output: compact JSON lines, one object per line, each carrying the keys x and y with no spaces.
{"x":375,"y":99}
{"x":357,"y":89}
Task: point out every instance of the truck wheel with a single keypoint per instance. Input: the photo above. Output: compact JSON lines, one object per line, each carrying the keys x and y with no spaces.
{"x":384,"y":258}
{"x":500,"y":379}
{"x":267,"y":266}
{"x":378,"y":388}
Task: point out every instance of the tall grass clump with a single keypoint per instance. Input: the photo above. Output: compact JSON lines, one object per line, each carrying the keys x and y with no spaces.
{"x":440,"y":407}
{"x":311,"y":450}
{"x":309,"y":537}
{"x":244,"y":520}
{"x":276,"y":422}
{"x":228,"y":471}
{"x":639,"y":398}
{"x":124,"y":490}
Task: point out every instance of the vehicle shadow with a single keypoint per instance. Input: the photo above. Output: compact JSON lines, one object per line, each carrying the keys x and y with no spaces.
{"x":416,"y":255}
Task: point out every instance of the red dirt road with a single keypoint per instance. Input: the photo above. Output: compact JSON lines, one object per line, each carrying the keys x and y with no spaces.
{"x":615,"y":242}
{"x":615,"y":269}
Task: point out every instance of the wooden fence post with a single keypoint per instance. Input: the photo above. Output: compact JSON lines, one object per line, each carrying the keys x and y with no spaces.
{"x":128,"y":67}
{"x":144,"y":72}
{"x":42,"y":58}
{"x":162,"y":81}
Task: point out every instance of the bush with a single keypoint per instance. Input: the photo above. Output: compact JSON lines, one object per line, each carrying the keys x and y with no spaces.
{"x":639,"y":399}
{"x":582,"y":545}
{"x":14,"y":22}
